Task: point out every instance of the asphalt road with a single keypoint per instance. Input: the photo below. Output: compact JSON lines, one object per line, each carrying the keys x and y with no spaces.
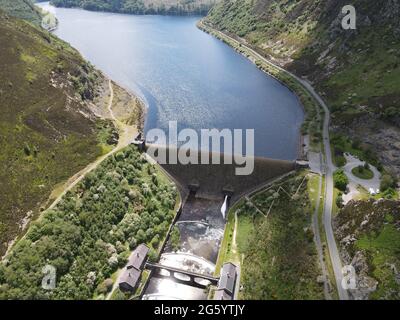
{"x":353,"y":162}
{"x":328,"y":205}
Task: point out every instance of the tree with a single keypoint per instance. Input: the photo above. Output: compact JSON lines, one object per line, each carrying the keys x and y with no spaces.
{"x":141,"y":236}
{"x":132,"y":243}
{"x":340,"y":180}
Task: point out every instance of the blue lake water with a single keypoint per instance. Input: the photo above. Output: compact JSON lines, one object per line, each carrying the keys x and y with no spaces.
{"x":186,"y":75}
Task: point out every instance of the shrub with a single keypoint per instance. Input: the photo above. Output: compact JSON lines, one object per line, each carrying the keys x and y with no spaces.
{"x":27,"y":149}
{"x":175,"y":238}
{"x":105,"y":286}
{"x":389,"y":193}
{"x":387,"y":182}
{"x":339,"y":200}
{"x":340,"y":180}
{"x":340,"y":161}
{"x":153,"y":255}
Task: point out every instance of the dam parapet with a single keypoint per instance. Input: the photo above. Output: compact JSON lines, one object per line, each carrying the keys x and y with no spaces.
{"x":217,"y":180}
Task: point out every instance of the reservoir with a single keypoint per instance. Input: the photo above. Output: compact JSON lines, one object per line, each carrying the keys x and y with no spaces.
{"x":186,"y":75}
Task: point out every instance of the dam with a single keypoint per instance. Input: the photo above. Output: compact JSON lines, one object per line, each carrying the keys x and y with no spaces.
{"x":206,"y":190}
{"x":186,"y":75}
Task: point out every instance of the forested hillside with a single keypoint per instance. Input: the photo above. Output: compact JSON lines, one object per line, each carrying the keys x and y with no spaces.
{"x":173,"y":7}
{"x":357,"y":71}
{"x":23,"y":9}
{"x":91,"y":232}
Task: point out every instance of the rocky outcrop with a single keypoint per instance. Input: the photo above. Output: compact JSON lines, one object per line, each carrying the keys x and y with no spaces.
{"x":360,"y":219}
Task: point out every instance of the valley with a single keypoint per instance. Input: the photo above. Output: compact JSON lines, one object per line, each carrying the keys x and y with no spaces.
{"x":82,"y":194}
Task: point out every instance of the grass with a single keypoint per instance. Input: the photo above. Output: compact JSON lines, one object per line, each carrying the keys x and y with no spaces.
{"x":363,"y":173}
{"x":117,"y":201}
{"x":277,"y":253}
{"x":225,"y":251}
{"x":383,"y":249}
{"x":313,"y":186}
{"x":387,"y":240}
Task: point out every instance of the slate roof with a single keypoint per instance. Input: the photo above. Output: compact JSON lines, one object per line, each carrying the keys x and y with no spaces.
{"x":226,"y":283}
{"x":138,"y":257}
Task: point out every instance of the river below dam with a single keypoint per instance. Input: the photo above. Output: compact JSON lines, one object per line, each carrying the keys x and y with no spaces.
{"x":188,"y":76}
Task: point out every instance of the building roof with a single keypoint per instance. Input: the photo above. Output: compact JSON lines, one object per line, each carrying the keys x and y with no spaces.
{"x":138,"y":257}
{"x":228,"y":278}
{"x":129,"y":279}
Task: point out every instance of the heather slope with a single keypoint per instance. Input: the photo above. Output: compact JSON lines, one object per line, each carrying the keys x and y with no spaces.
{"x":47,"y":130}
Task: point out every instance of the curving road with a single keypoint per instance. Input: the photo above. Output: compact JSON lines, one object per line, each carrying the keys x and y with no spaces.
{"x":328,"y":164}
{"x":367,"y":184}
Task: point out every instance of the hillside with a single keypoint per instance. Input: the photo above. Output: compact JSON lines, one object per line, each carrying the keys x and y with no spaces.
{"x":173,"y":7}
{"x":89,"y":235}
{"x":47,"y":129}
{"x":274,"y":243}
{"x":23,"y":9}
{"x":369,"y":236}
{"x":357,"y":71}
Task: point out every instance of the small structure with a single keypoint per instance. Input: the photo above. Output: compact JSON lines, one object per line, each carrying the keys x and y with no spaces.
{"x":228,"y":191}
{"x":138,"y":257}
{"x":227,"y":283}
{"x":133,"y":271}
{"x":130,"y":280}
{"x":302,"y":164}
{"x":140,"y":142}
{"x":194,"y":186}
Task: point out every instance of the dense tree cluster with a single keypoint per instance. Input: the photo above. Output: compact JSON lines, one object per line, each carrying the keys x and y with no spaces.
{"x":181,"y":7}
{"x":91,"y":232}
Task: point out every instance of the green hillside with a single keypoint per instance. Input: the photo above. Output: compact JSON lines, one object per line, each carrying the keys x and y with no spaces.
{"x":357,"y":71}
{"x":47,"y":132}
{"x":23,"y":9}
{"x":368,"y":234}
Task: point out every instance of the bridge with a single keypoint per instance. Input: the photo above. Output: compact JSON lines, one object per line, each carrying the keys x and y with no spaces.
{"x":193,"y":279}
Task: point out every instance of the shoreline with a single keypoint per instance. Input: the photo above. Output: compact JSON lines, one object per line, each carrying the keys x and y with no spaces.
{"x":285,"y":82}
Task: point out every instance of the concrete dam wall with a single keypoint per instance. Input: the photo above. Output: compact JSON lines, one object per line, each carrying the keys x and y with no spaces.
{"x":212,"y":181}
